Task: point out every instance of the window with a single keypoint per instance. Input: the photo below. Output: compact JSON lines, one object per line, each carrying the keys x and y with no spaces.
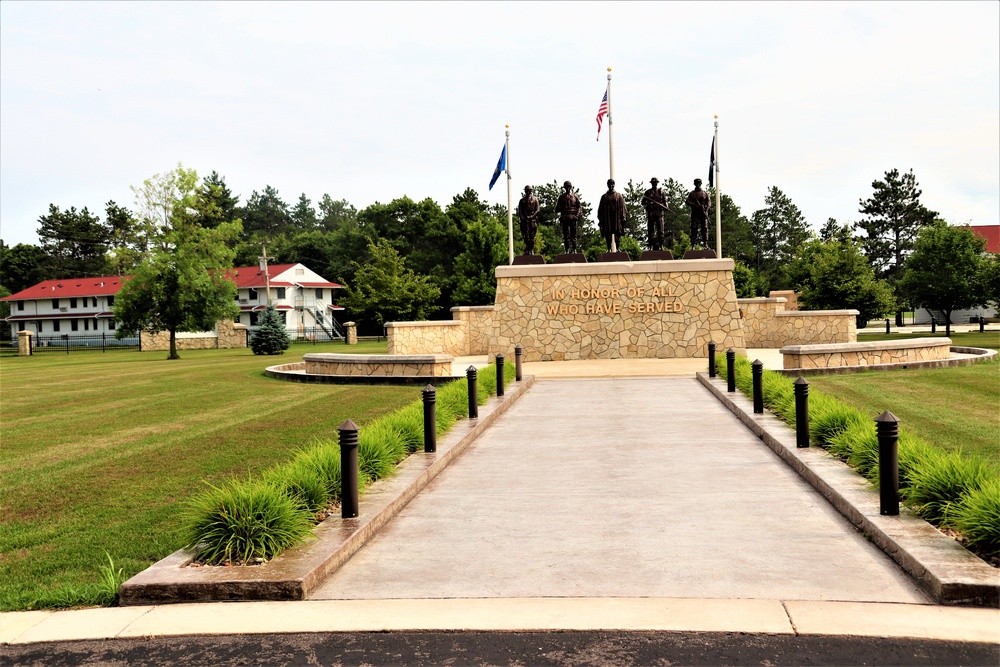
{"x":281,"y":292}
{"x":319,"y":292}
{"x":74,"y":325}
{"x":20,"y":305}
{"x":111,"y":301}
{"x":111,"y":325}
{"x":300,"y":271}
{"x":252,"y":294}
{"x":55,"y":326}
{"x":93,"y":303}
{"x":55,"y":304}
{"x":86,"y":325}
{"x":72,"y":302}
{"x":95,"y":324}
{"x":20,"y":326}
{"x":282,"y":314}
{"x":253,"y":319}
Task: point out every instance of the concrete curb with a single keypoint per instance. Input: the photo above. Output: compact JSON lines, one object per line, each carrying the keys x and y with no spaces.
{"x":950,"y":573}
{"x":295,"y":573}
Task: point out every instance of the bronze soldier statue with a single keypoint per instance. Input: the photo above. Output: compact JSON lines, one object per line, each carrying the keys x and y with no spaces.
{"x":527,"y":218}
{"x":611,"y":216}
{"x":699,"y":203}
{"x":568,"y":208}
{"x":655,"y":203}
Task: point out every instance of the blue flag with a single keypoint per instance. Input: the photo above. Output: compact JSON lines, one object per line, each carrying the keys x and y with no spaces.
{"x":501,"y":166}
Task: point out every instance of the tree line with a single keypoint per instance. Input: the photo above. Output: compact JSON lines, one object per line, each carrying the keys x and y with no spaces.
{"x":409,"y":259}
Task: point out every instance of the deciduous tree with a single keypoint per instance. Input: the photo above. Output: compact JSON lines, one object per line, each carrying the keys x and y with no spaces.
{"x":835,"y":275}
{"x":485,"y":249}
{"x":385,"y":290}
{"x":945,"y":272}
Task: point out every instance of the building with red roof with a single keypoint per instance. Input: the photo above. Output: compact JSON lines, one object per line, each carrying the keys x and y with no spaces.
{"x":991,"y":233}
{"x":79,"y":307}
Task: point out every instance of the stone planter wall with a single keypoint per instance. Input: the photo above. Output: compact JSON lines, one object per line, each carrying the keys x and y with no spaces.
{"x":430,"y":337}
{"x":865,"y":354}
{"x":478,"y":321}
{"x":766,"y":324}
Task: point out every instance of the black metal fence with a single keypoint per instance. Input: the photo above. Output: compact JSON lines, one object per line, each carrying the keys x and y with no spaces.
{"x":87,"y":343}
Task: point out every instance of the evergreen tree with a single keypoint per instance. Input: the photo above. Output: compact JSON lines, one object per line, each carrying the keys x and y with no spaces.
{"x":333,"y":214}
{"x":304,"y":215}
{"x":270,"y":337}
{"x":893,"y":218}
{"x":75,"y":242}
{"x":265,"y":215}
{"x":215,"y":202}
{"x":777,"y":231}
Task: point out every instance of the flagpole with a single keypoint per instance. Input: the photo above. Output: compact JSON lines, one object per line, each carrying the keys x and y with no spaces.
{"x":611,"y":134}
{"x":510,"y":213}
{"x":718,"y":195}
{"x":611,"y":150}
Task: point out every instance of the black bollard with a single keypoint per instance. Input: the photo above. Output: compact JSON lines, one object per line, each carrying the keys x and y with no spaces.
{"x":887,"y":325}
{"x":711,"y":360}
{"x":348,"y":469}
{"x":471,"y":375}
{"x":730,"y":370}
{"x":429,"y":395}
{"x":982,"y":323}
{"x":801,"y":388}
{"x":499,"y":375}
{"x":933,"y":324}
{"x":887,"y":426}
{"x":517,"y":362}
{"x":757,"y":368}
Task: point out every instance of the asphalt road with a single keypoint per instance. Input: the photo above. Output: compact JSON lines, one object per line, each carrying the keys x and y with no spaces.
{"x":503,"y":648}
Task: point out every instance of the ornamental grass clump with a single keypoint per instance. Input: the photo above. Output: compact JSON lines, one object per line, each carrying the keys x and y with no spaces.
{"x":778,"y":394}
{"x":245,"y":521}
{"x":409,"y":421}
{"x":940,"y":482}
{"x":977,"y":517}
{"x":323,"y":457}
{"x":828,"y":417}
{"x":380,"y":448}
{"x":303,"y":484}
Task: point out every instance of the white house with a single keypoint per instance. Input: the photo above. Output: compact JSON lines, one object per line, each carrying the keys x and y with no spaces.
{"x":303,"y":298}
{"x":80,"y":307}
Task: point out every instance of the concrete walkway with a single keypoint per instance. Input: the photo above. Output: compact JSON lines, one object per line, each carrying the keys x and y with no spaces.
{"x":620,"y":488}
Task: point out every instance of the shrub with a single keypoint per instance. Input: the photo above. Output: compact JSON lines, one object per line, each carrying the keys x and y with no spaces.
{"x":270,"y":337}
{"x":977,"y":517}
{"x":940,"y":481}
{"x":380,"y":448}
{"x":410,"y":423}
{"x":244,"y":520}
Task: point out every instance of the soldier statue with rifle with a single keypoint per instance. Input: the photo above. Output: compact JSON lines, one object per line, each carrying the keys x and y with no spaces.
{"x":655,"y":203}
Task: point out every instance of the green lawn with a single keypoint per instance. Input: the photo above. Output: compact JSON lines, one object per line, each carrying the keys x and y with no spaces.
{"x":987,"y":339}
{"x":953,"y":408}
{"x":99,"y":450}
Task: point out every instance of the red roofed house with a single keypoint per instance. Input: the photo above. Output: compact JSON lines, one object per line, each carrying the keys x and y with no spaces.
{"x":79,"y":307}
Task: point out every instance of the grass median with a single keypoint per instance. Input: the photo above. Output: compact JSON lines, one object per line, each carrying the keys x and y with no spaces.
{"x":99,"y":450}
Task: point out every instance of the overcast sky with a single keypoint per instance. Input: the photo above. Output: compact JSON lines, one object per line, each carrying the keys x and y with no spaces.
{"x":372,"y":101}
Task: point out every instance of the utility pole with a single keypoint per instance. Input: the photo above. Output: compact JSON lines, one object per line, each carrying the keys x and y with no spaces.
{"x":263,"y":268}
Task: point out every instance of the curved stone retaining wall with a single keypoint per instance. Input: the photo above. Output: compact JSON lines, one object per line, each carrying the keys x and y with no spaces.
{"x":865,"y":354}
{"x":379,"y":365}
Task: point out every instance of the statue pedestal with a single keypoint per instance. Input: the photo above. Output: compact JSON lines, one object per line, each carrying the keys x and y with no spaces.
{"x":570,"y":258}
{"x":521,"y":260}
{"x":614,"y":310}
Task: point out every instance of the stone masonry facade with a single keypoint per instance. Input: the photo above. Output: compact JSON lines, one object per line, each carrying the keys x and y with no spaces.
{"x":663,"y":309}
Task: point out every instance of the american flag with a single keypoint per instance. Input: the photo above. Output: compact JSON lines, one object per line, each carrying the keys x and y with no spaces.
{"x":601,"y":113}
